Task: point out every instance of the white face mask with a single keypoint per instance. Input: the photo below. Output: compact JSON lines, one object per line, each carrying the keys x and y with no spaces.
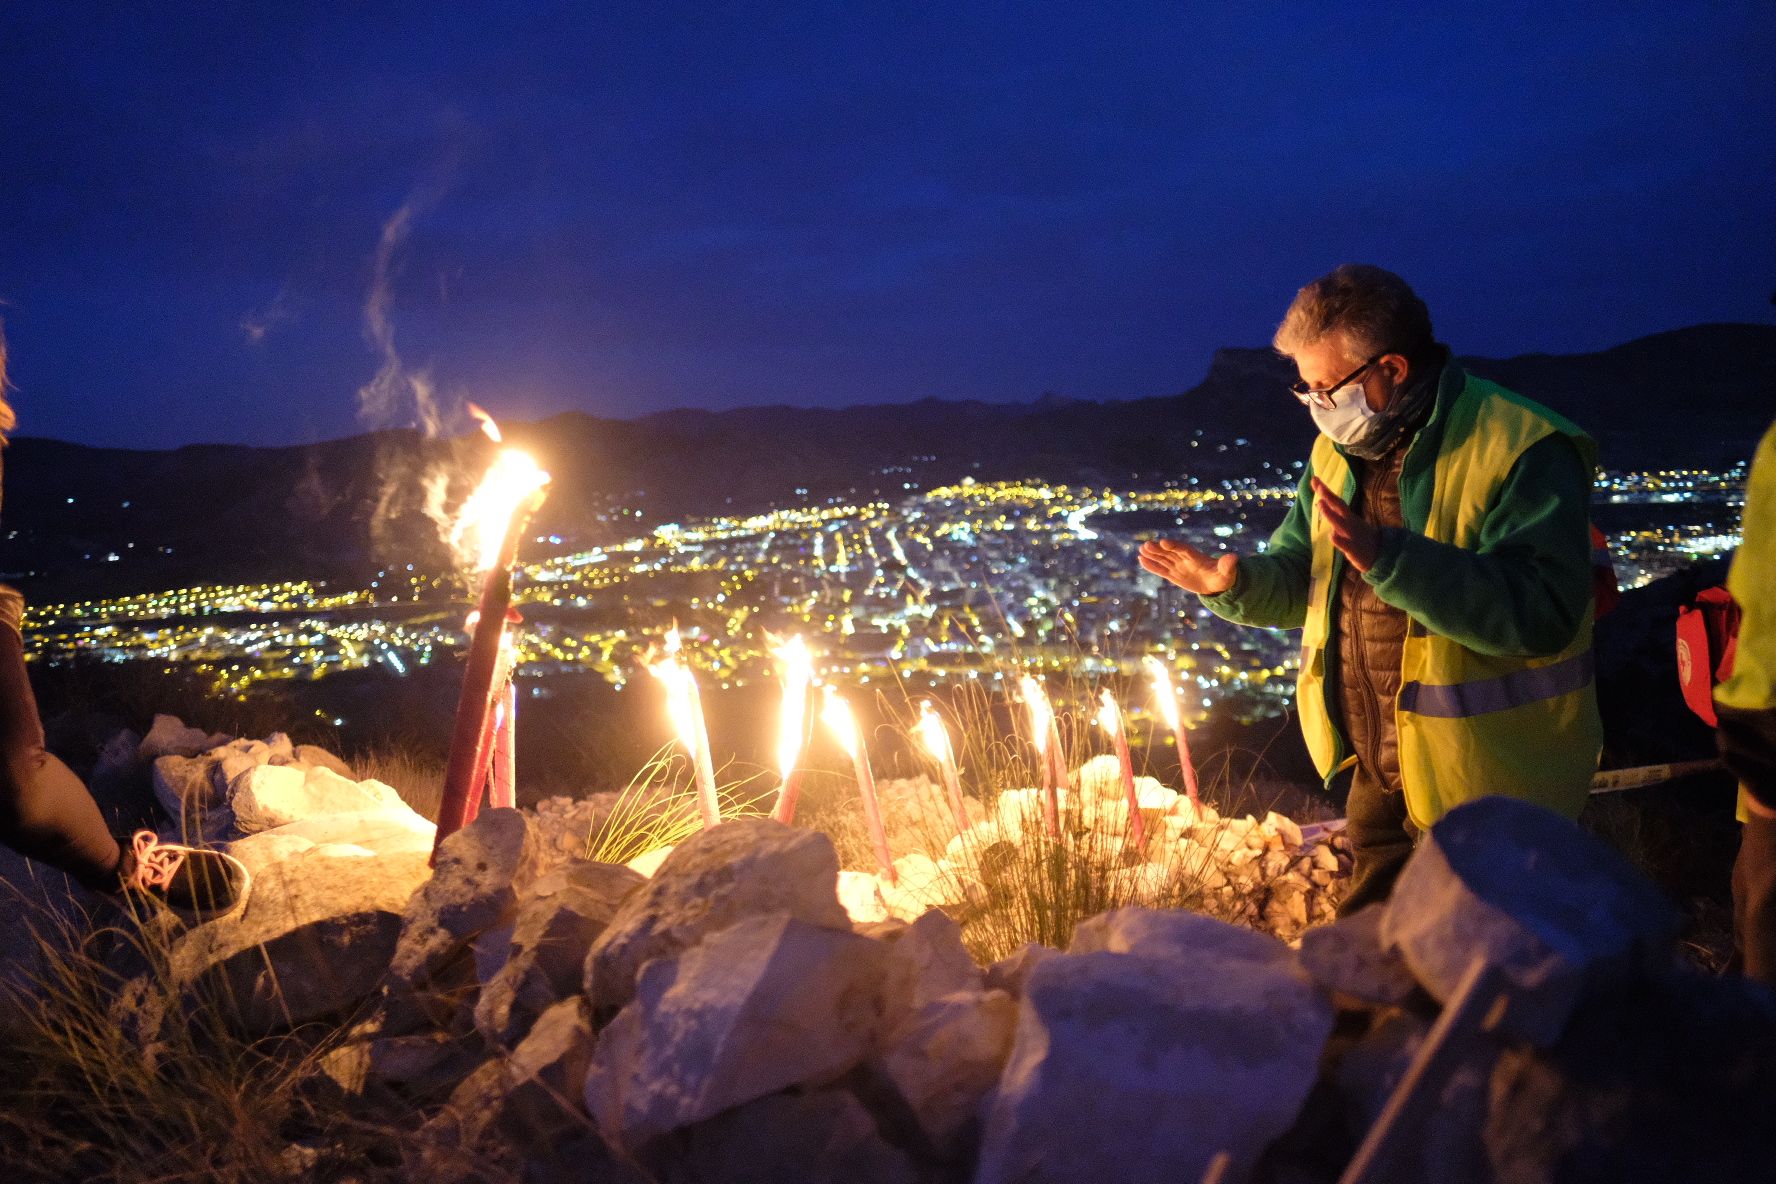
{"x":1348,"y":418}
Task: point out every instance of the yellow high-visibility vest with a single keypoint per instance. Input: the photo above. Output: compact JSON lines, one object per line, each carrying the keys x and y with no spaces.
{"x":1469,"y":724}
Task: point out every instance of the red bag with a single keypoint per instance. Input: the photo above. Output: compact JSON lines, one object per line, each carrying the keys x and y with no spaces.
{"x":1707,"y":637}
{"x":1605,"y":591}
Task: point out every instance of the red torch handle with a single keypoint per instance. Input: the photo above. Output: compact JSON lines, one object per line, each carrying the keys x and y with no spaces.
{"x":785,"y":809}
{"x":474,"y":708}
{"x":505,"y":746}
{"x":469,"y":735}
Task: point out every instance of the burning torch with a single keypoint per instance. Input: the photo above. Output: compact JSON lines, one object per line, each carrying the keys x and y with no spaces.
{"x":491,"y":523}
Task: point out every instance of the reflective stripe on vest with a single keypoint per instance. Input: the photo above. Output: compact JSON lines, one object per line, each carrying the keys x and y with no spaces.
{"x":1460,"y":700}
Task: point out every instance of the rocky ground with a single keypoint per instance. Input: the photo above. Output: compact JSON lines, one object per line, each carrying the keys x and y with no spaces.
{"x":743,"y":1007}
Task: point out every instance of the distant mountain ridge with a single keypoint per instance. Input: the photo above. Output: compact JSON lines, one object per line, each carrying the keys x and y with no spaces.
{"x":338,"y":509}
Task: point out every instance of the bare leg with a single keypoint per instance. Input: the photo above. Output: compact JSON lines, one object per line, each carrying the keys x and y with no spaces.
{"x":46,"y":812}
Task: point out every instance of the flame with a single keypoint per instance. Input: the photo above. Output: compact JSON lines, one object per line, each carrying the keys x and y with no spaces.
{"x":681,"y":686}
{"x":1109,"y":714}
{"x":798,"y":674}
{"x":487,"y":424}
{"x":932,"y":733}
{"x":480,"y":527}
{"x":1041,"y":713}
{"x":1162,"y":690}
{"x":836,"y":714}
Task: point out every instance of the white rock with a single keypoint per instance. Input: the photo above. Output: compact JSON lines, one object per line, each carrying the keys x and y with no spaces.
{"x":227,"y":765}
{"x":920,"y":884}
{"x":531,"y":1096}
{"x":1553,"y":909}
{"x":1208,"y":1040}
{"x":313,"y":756}
{"x":260,"y":851}
{"x":1348,"y":956}
{"x":1101,"y":777}
{"x":1011,"y":972}
{"x":769,"y":1003}
{"x":565,"y":912}
{"x":268,"y":796}
{"x":1156,"y":797}
{"x":861,"y":896}
{"x":387,"y":830}
{"x":945,"y":1057}
{"x":185,"y":790}
{"x":480,"y":873}
{"x":822,"y":1137}
{"x":424,"y":1062}
{"x":1018,"y":810}
{"x":740,"y":868}
{"x":928,"y":961}
{"x":1284,"y":828}
{"x":313,"y":938}
{"x":648,"y":862}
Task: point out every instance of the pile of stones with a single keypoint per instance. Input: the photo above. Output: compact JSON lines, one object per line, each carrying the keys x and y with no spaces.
{"x":725,"y":1016}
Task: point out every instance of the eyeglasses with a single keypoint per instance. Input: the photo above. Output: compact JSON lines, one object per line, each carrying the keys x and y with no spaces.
{"x":1321,"y":397}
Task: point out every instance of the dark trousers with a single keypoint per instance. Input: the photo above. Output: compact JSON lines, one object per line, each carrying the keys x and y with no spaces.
{"x":1754,"y":899}
{"x":1381,"y":841}
{"x":45,"y":811}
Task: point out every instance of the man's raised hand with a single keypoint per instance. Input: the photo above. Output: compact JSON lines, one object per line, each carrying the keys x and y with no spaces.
{"x":1190,"y":569}
{"x":1352,"y":534}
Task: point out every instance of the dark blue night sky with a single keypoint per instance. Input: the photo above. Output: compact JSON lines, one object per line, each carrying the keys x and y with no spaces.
{"x":623,"y":208}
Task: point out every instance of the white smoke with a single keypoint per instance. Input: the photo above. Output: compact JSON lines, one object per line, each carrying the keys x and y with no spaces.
{"x":396,"y":396}
{"x":259,"y":323}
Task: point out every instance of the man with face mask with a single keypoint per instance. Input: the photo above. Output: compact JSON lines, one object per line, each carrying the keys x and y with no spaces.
{"x":1437,"y":560}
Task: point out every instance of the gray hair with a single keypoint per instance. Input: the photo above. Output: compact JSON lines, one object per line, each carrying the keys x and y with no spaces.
{"x":1374,"y":310}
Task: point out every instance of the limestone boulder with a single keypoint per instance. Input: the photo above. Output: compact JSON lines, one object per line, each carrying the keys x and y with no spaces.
{"x":742,"y":868}
{"x":648,"y":862}
{"x":1348,"y":957}
{"x":183,"y":785}
{"x":259,"y":852}
{"x":531,"y":1096}
{"x":314,"y":938}
{"x":267,"y":796}
{"x":768,"y":1003}
{"x":424,"y":1064}
{"x":482,"y":871}
{"x":386,"y":830}
{"x":563,"y":915}
{"x":170,"y":737}
{"x":227,"y":766}
{"x":1200,"y":1036}
{"x":861,"y":895}
{"x":944,"y":1058}
{"x":821,"y":1137}
{"x":314,"y":757}
{"x":1553,"y":909}
{"x":1011,"y":972}
{"x":920,"y":883}
{"x":927,"y":961}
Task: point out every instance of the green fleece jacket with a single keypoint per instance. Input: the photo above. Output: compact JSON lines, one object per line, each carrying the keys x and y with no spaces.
{"x":1523,"y":593}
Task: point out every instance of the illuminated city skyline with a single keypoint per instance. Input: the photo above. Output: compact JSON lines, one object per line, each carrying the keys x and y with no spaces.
{"x":965,"y":581}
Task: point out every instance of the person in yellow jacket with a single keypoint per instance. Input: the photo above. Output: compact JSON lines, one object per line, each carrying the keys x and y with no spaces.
{"x":1437,"y":559}
{"x":1746,"y":706}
